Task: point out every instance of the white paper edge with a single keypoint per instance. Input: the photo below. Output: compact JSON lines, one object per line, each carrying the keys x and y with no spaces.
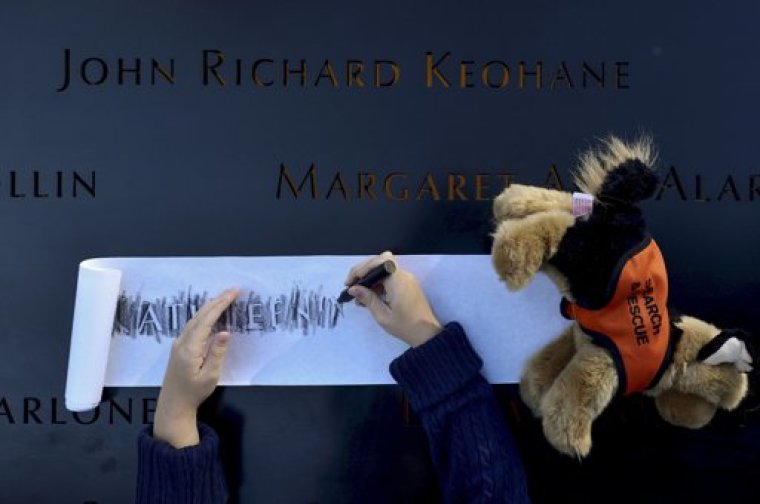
{"x":94,"y":310}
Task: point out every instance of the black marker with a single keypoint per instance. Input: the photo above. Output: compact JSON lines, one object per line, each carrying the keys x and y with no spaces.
{"x":372,"y":278}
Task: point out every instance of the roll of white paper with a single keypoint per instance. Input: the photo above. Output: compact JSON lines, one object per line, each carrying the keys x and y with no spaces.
{"x":94,"y":309}
{"x":287,"y":328}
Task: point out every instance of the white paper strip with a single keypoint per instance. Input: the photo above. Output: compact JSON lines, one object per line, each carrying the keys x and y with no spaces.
{"x":287,"y":329}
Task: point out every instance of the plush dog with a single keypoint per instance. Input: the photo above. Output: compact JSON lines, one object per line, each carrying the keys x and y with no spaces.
{"x":613,"y":278}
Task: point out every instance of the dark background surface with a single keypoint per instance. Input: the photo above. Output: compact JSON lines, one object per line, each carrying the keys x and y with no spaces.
{"x":192,"y":170}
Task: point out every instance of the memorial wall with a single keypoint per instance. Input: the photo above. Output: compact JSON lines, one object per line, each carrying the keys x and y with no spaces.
{"x":234,"y":129}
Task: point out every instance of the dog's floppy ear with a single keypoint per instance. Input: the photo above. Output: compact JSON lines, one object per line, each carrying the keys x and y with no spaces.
{"x":732,"y":346}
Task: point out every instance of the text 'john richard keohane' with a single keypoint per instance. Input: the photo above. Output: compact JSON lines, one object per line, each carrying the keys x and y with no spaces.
{"x":434,"y":70}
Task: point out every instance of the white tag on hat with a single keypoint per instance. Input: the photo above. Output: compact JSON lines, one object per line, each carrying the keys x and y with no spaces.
{"x":583,"y":204}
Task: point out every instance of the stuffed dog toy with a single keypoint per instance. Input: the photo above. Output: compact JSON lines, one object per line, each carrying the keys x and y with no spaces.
{"x":611,"y":273}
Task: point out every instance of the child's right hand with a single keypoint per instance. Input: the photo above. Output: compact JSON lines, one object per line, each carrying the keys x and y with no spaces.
{"x":399,"y":305}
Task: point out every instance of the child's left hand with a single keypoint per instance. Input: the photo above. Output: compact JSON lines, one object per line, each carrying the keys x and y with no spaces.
{"x":192,"y":374}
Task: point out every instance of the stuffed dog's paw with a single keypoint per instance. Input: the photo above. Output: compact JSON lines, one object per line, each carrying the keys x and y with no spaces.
{"x":517,"y":255}
{"x":518,"y":201}
{"x":567,"y":429}
{"x":521,"y":246}
{"x":512,"y":203}
{"x":684,"y":410}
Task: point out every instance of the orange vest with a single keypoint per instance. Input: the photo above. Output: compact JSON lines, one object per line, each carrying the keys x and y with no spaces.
{"x":634,"y":325}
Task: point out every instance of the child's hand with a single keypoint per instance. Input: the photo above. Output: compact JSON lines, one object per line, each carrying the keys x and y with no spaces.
{"x":192,"y":374}
{"x":397,"y":304}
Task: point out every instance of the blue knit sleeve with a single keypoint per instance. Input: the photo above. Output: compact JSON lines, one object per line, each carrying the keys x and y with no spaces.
{"x":472,"y":447}
{"x":190,"y":475}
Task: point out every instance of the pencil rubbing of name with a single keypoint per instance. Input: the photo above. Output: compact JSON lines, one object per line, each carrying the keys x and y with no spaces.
{"x":304,"y":310}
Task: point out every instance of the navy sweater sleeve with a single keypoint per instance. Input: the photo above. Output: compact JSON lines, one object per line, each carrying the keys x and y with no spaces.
{"x":472,"y":447}
{"x":190,"y":475}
